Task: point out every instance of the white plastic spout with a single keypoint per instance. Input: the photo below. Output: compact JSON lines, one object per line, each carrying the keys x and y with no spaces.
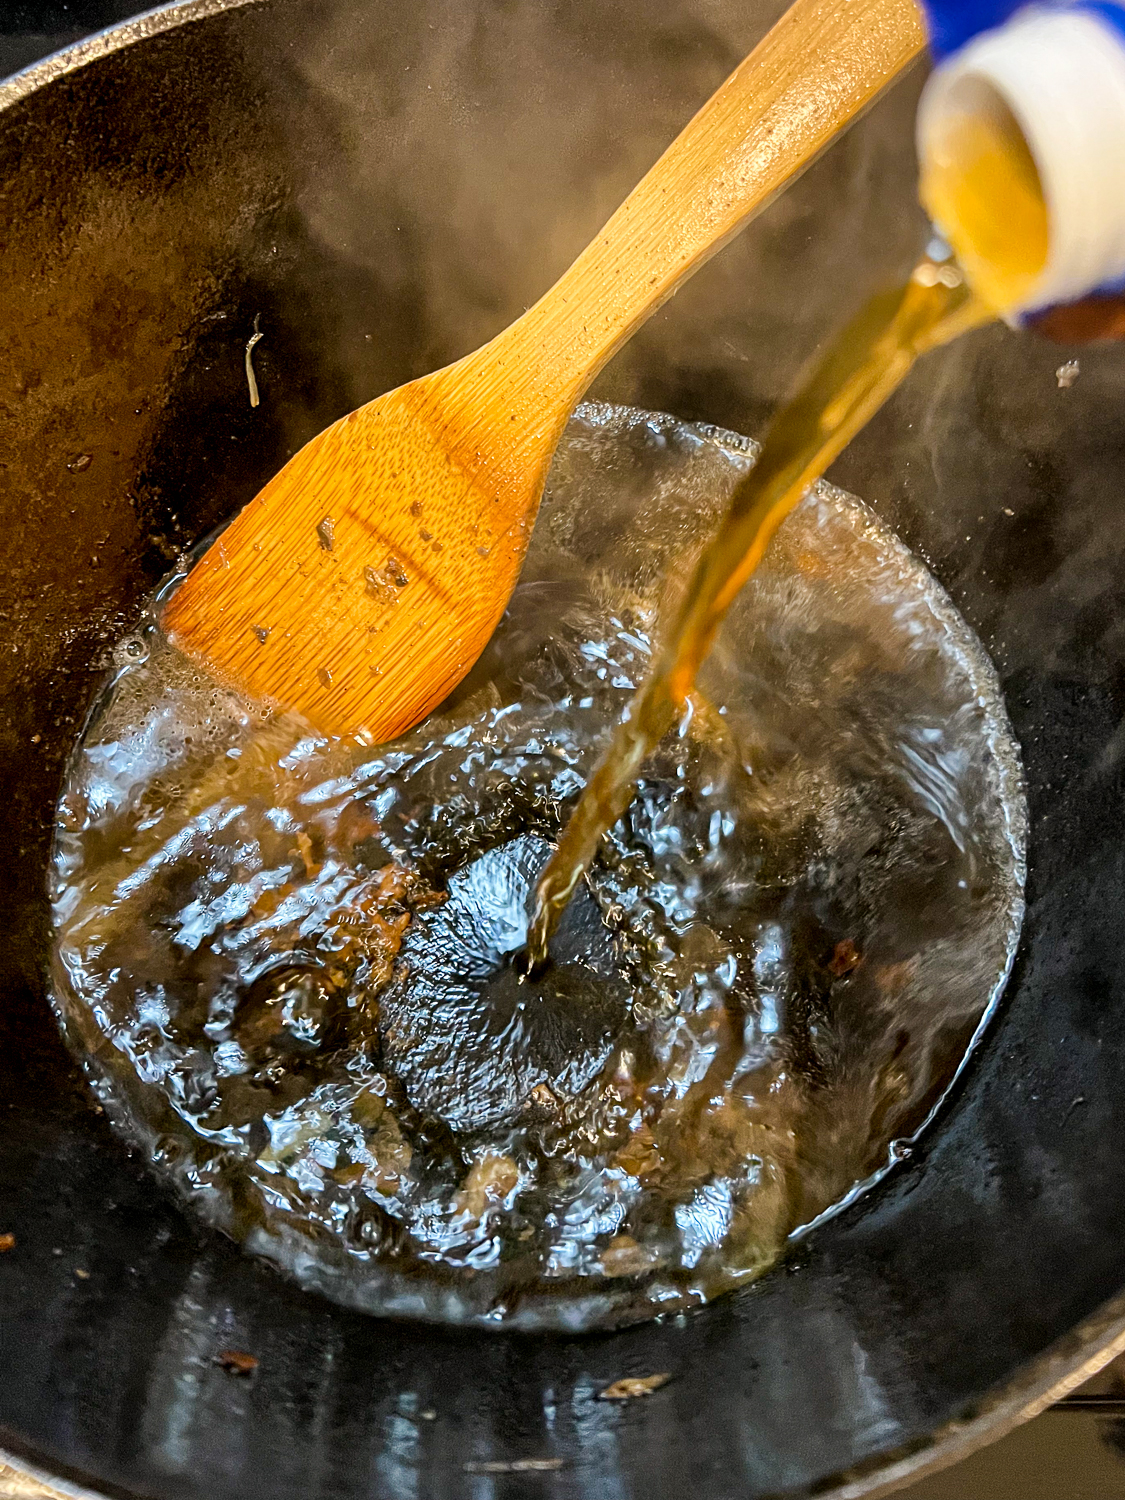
{"x":1060,"y":76}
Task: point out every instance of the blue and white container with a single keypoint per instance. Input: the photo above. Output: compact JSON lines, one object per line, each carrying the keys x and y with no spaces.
{"x":1058,"y":72}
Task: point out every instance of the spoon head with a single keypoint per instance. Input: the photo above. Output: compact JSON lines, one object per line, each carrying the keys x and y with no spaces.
{"x":363,"y":582}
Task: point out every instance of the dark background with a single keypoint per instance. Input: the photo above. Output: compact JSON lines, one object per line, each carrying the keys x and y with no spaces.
{"x":30,"y":29}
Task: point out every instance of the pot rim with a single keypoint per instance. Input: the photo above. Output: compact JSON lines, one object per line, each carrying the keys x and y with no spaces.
{"x":1065,"y":1365}
{"x":100,"y":44}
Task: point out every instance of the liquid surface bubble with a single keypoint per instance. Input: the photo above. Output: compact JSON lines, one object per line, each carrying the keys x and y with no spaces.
{"x":291,"y":967}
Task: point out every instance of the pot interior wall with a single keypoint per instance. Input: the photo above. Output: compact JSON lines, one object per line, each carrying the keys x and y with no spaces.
{"x":384,"y":185}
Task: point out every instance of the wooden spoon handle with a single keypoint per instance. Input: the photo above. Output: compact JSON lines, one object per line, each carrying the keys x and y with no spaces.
{"x":822,"y":64}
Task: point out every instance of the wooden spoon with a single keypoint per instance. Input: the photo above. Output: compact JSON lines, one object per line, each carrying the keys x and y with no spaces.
{"x":362,"y":583}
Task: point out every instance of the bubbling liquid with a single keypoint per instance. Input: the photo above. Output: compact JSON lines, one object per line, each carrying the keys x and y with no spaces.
{"x":288,"y":963}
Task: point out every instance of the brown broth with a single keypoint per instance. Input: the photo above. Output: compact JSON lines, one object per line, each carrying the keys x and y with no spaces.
{"x":287,"y":963}
{"x":864,"y":365}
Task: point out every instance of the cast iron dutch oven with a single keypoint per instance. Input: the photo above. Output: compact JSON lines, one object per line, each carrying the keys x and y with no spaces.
{"x":385,"y":184}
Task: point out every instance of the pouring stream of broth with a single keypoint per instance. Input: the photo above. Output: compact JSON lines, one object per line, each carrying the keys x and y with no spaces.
{"x":864,"y":365}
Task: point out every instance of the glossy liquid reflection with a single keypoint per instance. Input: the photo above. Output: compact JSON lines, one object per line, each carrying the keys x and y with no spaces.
{"x":287,"y":962}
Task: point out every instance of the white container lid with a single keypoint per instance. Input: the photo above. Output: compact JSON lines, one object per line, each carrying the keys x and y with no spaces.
{"x":1061,"y":73}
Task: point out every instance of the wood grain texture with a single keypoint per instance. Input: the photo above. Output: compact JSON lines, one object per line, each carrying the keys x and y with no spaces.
{"x":16,"y":1485}
{"x":363,"y":582}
